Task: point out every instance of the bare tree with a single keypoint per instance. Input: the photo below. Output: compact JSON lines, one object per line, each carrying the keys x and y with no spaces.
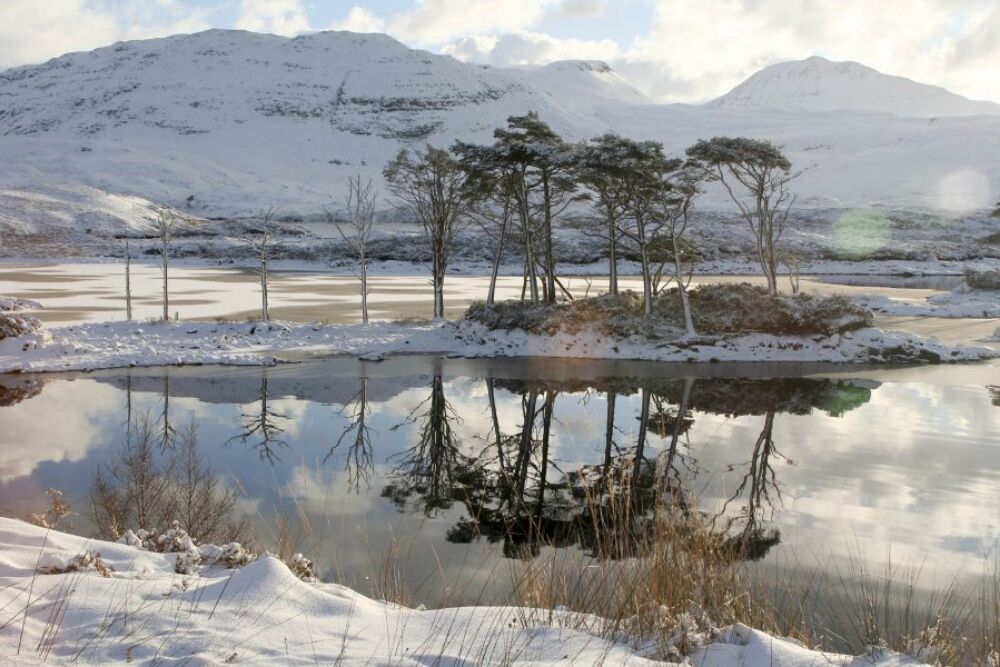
{"x":261,"y":240}
{"x":674,"y":212}
{"x":128,"y":281}
{"x":141,"y":490}
{"x":794,"y":262}
{"x":755,"y":174}
{"x":431,"y":185}
{"x":164,"y":226}
{"x":361,"y":198}
{"x":134,"y":491}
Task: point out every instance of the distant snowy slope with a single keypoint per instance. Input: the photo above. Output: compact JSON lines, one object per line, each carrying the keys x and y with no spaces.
{"x":818,"y":84}
{"x":223,"y":123}
{"x":219,"y":114}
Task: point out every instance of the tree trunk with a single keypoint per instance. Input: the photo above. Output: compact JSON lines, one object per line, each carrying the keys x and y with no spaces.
{"x":681,"y":288}
{"x":647,"y":279}
{"x":550,"y":260}
{"x":438,"y":280}
{"x":264,"y":312}
{"x":491,"y":295}
{"x":364,"y":285}
{"x":612,"y":256}
{"x":128,"y":282}
{"x":640,"y":446}
{"x":529,"y":253}
{"x":609,"y":436}
{"x":166,"y":293}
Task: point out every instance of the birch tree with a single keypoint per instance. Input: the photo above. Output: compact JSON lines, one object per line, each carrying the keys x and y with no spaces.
{"x":755,"y":174}
{"x":128,"y":280}
{"x":357,"y":231}
{"x":164,"y":226}
{"x":431,"y":185}
{"x":260,"y":238}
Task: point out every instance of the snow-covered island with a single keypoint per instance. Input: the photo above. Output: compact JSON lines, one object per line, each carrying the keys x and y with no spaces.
{"x":736,"y":323}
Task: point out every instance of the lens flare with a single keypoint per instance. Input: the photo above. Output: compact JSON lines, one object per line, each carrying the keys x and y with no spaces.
{"x":859,"y":233}
{"x":964,"y":191}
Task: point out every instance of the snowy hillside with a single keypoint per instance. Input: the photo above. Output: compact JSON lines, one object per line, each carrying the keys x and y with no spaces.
{"x":818,"y":84}
{"x":223,"y":123}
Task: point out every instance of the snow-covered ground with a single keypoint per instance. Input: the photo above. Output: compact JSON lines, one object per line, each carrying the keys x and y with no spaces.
{"x":224,"y":123}
{"x":122,"y":344}
{"x":136,"y":608}
{"x":960,"y":302}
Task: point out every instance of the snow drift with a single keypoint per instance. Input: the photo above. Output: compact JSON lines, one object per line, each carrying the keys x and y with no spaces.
{"x":109,"y":603}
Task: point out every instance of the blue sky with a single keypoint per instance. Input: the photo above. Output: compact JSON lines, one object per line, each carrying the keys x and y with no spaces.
{"x":673,"y":50}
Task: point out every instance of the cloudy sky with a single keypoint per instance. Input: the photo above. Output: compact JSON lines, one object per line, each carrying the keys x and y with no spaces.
{"x":674,"y":50}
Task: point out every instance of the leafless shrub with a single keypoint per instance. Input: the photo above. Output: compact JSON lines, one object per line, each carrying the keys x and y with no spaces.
{"x":88,"y":560}
{"x":148,"y":491}
{"x":57,"y":511}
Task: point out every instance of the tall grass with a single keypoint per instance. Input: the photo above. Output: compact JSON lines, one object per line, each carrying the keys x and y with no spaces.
{"x":667,"y":580}
{"x":684,"y":581}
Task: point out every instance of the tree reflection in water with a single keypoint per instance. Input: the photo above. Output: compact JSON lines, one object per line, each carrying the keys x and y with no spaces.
{"x":510,"y":490}
{"x":263,"y":429}
{"x":359,"y":459}
{"x":431,"y":471}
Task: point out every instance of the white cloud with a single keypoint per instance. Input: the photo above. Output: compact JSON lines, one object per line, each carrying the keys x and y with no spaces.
{"x":528,"y":48}
{"x":281,"y":17}
{"x":359,"y":19}
{"x":32,"y":31}
{"x":691,"y":51}
{"x":696,"y":51}
{"x":434,"y":22}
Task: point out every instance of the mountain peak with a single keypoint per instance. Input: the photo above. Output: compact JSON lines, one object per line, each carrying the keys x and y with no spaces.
{"x":819,"y":84}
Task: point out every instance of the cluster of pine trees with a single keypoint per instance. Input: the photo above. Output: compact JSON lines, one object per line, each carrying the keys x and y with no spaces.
{"x":638,"y":199}
{"x":530,"y":181}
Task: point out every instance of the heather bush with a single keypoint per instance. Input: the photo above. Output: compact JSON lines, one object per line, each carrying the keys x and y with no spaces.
{"x":718,"y":309}
{"x":984,"y":280}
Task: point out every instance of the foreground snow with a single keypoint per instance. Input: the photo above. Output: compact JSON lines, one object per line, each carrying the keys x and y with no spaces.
{"x":121,"y":344}
{"x":142,"y":611}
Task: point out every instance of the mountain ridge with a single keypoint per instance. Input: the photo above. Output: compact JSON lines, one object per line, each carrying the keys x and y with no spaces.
{"x":819,"y":84}
{"x":227,"y":122}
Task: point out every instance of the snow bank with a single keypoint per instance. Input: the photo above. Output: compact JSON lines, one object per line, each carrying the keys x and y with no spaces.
{"x":123,"y":344}
{"x":137,"y":609}
{"x":13,"y":320}
{"x":961,"y":302}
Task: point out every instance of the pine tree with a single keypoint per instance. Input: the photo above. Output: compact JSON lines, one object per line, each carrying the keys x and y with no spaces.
{"x":755,"y":174}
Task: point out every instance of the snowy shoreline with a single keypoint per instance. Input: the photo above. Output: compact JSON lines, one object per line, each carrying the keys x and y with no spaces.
{"x":729,"y":267}
{"x":131,"y":344}
{"x":263,"y":614}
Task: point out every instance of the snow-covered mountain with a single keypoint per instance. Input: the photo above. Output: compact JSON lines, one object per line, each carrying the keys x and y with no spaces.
{"x":223,"y":123}
{"x":818,"y":84}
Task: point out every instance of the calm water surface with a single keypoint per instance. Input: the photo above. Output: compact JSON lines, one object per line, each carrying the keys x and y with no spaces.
{"x":458,"y":462}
